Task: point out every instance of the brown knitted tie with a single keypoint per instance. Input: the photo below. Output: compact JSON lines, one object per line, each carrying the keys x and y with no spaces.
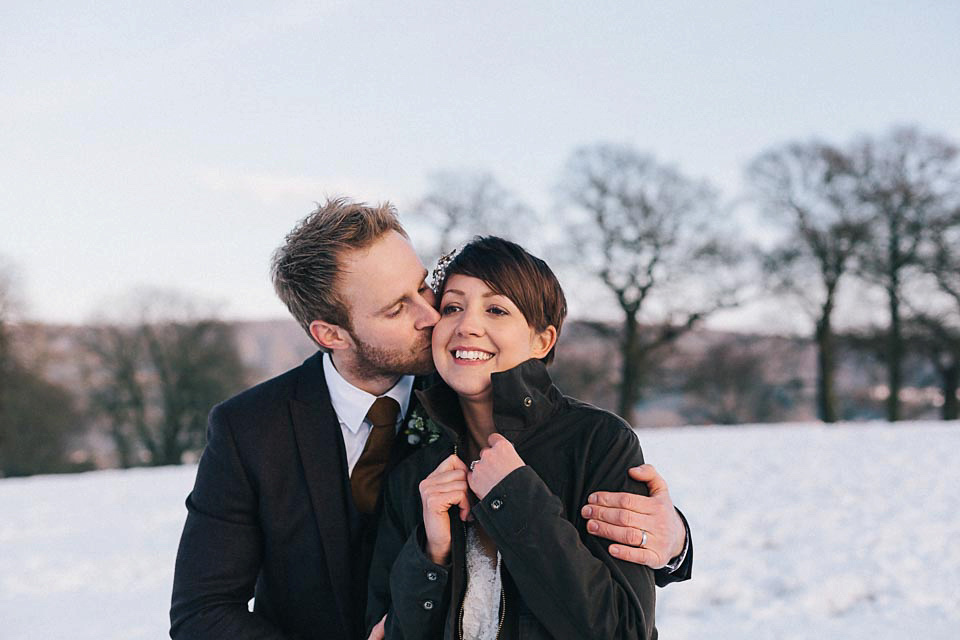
{"x":367,"y":473}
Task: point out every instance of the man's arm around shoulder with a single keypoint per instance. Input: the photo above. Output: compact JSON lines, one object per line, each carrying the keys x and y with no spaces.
{"x":649,"y":529}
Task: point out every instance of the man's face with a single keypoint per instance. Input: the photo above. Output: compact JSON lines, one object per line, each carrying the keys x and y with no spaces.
{"x":391,"y":309}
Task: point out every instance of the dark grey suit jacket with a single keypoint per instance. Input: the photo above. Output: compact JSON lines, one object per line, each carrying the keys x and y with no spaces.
{"x":270,"y":516}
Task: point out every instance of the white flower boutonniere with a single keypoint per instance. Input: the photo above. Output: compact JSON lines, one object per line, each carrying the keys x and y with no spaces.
{"x":421,"y":430}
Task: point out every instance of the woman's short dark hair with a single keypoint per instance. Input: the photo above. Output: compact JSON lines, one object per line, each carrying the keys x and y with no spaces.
{"x":509,"y":270}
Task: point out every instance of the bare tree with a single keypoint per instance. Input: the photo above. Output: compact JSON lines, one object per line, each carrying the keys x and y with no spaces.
{"x":586,"y":362}
{"x":6,"y":357}
{"x":939,"y":332}
{"x":937,"y":337}
{"x":810,"y":189}
{"x":159,"y":377}
{"x":462,"y":204}
{"x":943,"y":259}
{"x":650,"y":236}
{"x":38,"y":421}
{"x":907,"y":181}
{"x":6,"y":307}
{"x":37,"y":417}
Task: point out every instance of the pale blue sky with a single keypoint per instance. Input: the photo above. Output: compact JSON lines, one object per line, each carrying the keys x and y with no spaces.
{"x":174,"y":143}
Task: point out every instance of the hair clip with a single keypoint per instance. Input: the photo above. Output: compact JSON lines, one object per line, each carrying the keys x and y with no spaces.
{"x":440,"y":271}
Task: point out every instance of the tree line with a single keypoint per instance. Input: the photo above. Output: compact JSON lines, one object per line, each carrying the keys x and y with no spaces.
{"x":880,"y":213}
{"x":147,"y":382}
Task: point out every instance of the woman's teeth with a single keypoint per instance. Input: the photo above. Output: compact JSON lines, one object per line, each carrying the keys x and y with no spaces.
{"x":472,"y":355}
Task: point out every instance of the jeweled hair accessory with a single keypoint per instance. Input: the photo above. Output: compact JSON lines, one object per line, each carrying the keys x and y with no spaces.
{"x":440,"y":271}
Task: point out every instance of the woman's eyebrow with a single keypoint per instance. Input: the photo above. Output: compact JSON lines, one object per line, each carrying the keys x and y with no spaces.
{"x":488,"y":294}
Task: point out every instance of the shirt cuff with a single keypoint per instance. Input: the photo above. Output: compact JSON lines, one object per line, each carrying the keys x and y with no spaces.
{"x":677,"y":562}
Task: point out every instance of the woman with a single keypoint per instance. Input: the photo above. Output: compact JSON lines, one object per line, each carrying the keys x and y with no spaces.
{"x":493,"y":546}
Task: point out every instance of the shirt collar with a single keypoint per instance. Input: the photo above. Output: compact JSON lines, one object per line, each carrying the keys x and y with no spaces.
{"x":351,"y":403}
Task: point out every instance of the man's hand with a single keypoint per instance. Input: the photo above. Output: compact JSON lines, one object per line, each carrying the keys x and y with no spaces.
{"x":624,"y":517}
{"x":496,"y":462}
{"x":380,"y":630}
{"x":444,"y":487}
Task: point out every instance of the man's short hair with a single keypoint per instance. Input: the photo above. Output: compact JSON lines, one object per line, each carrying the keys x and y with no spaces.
{"x":509,"y":270}
{"x":305,"y":269}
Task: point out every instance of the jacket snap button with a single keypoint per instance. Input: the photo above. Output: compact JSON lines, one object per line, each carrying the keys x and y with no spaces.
{"x":528,"y":401}
{"x":432,"y":576}
{"x":496,"y":504}
{"x":427,"y":605}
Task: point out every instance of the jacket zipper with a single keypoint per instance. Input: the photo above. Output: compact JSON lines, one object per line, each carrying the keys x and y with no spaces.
{"x":503,"y":593}
{"x":503,"y":607}
{"x":456,"y":446}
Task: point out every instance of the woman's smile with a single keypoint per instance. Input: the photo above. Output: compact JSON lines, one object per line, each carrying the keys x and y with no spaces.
{"x":468,"y":356}
{"x":480,"y":332}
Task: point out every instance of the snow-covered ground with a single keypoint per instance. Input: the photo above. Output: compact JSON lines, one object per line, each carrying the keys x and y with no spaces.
{"x":800,"y":532}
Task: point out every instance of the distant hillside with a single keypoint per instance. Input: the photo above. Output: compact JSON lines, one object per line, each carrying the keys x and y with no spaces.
{"x":270,"y":347}
{"x":704,"y":377}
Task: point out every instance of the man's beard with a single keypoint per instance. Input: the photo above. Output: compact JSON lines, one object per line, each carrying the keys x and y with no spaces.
{"x":376,"y":362}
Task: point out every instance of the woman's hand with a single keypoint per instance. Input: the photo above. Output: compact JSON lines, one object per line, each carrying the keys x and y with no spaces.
{"x":444,"y":487}
{"x":496,"y":462}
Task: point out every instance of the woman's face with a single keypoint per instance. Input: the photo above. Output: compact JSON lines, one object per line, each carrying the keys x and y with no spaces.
{"x":479,"y":333}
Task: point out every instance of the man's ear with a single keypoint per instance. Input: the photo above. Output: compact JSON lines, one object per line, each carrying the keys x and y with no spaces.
{"x":544,"y":341}
{"x":330,"y":336}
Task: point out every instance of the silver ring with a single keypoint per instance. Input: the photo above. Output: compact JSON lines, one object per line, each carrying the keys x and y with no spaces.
{"x":643,"y":538}
{"x":473,"y":464}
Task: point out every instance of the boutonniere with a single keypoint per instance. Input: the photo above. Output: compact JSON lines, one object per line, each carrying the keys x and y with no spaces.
{"x":421,"y":430}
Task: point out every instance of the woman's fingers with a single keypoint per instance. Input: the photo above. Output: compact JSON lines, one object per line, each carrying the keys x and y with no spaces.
{"x":444,"y":487}
{"x":440,"y":501}
{"x":464,"y":504}
{"x":448,"y":487}
{"x":450,"y":462}
{"x":439,"y":477}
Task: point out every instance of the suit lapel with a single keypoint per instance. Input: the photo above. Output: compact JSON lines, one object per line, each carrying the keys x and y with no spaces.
{"x":401,"y":447}
{"x":318,"y":437}
{"x":319,"y":443}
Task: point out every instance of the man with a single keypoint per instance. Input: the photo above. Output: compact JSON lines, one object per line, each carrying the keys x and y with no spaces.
{"x":284,"y":504}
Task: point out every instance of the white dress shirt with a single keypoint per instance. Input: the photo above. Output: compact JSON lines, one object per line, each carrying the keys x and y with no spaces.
{"x":351,"y":405}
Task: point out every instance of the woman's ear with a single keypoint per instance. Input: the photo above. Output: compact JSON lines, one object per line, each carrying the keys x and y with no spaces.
{"x":329,"y":336}
{"x":543,"y":342}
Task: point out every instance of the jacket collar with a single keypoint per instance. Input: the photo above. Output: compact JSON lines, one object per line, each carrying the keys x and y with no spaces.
{"x":524,"y":397}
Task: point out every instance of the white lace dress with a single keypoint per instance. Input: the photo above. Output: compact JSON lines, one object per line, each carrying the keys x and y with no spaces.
{"x":481,"y":603}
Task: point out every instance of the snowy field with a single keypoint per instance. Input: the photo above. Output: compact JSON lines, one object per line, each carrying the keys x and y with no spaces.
{"x":800,"y":532}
